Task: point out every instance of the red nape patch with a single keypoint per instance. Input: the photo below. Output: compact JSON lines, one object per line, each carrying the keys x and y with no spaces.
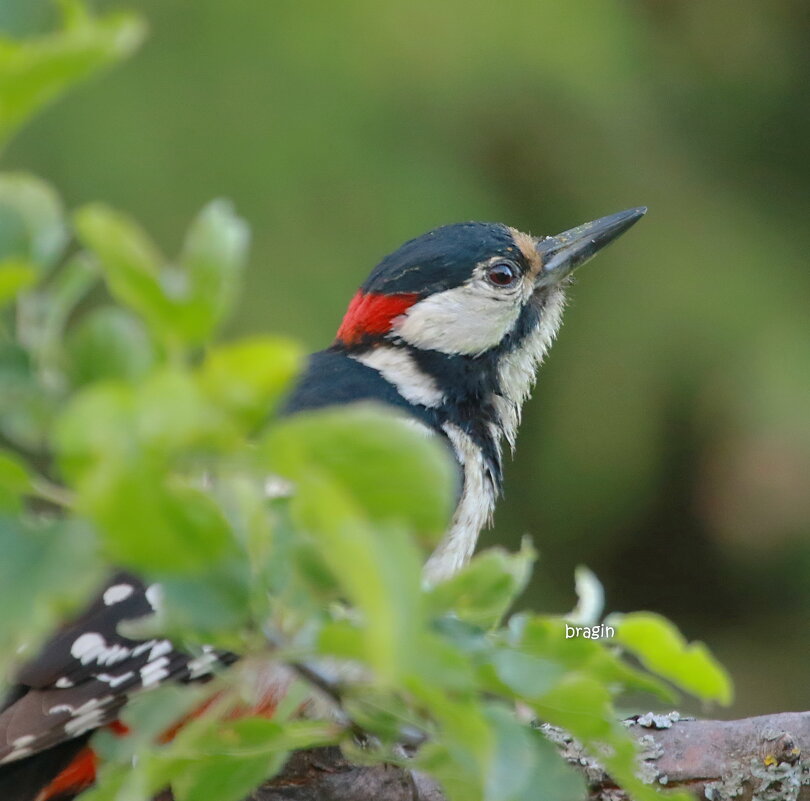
{"x":371,"y":314}
{"x":77,"y":776}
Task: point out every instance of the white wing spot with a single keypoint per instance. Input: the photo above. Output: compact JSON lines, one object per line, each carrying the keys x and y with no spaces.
{"x":117,"y":593}
{"x":87,"y":647}
{"x":88,"y":716}
{"x":154,"y":672}
{"x":160,"y":648}
{"x":63,"y":682}
{"x":114,"y":681}
{"x":55,"y":710}
{"x":144,"y":646}
{"x":154,"y":594}
{"x":202,"y":664}
{"x":92,"y":647}
{"x":17,"y":754}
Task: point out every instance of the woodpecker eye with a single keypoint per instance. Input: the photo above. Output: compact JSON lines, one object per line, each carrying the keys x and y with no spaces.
{"x":502,"y":274}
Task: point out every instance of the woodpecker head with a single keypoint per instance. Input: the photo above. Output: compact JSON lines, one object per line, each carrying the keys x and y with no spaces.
{"x":452,"y":327}
{"x":464,"y":313}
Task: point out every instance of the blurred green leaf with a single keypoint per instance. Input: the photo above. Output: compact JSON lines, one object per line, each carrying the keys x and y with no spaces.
{"x":391,"y":472}
{"x":26,"y":408}
{"x":482,"y":592}
{"x":15,"y":275}
{"x":117,"y":444}
{"x":523,"y":761}
{"x":582,"y":706}
{"x":35,"y":71}
{"x":215,"y":606}
{"x":109,"y":343}
{"x":47,"y":568}
{"x":211,"y":268}
{"x":166,"y":527}
{"x":15,"y":480}
{"x":95,"y":428}
{"x":526,"y":676}
{"x":227,"y":761}
{"x":379,"y":571}
{"x":249,"y":376}
{"x":662,"y":648}
{"x":51,"y":307}
{"x":547,"y":637}
{"x":120,"y":423}
{"x":130,"y":260}
{"x":32,"y":226}
{"x":351,"y":467}
{"x":182,"y":304}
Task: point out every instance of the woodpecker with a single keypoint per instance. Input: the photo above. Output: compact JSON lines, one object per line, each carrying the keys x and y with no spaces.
{"x":450,"y":330}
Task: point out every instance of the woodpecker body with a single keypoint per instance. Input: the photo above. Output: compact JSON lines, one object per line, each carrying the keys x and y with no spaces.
{"x":449,"y":330}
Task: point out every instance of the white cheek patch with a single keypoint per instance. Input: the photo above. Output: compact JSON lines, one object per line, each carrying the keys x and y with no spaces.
{"x":468,"y":319}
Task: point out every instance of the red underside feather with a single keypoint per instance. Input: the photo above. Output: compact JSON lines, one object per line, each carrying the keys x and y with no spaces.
{"x":77,"y":776}
{"x":371,"y":314}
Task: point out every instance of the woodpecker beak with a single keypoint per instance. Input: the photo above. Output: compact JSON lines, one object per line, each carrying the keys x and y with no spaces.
{"x":562,"y":254}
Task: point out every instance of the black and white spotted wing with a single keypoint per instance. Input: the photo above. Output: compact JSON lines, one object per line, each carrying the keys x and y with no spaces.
{"x":85,"y":673}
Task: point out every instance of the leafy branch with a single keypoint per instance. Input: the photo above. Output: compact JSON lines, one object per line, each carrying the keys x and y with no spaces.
{"x":133,"y":438}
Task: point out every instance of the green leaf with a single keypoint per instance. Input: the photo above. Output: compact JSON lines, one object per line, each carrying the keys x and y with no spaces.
{"x":32,"y":225}
{"x":522,"y":761}
{"x":548,"y":638}
{"x":378,"y":567}
{"x":212,"y":262}
{"x":26,"y":410}
{"x":581,"y":705}
{"x":15,"y":481}
{"x":249,"y":376}
{"x":96,"y":428}
{"x":213,"y":608}
{"x":173,"y":414}
{"x":34,"y":72}
{"x":130,"y":261}
{"x":148,"y":523}
{"x":227,"y":761}
{"x":485,"y":589}
{"x":182,"y":304}
{"x":662,"y":648}
{"x":116,"y":423}
{"x":379,"y":571}
{"x":224,"y":778}
{"x":51,"y":308}
{"x":15,"y":275}
{"x":524,"y":675}
{"x":46,"y":570}
{"x":391,"y":472}
{"x":117,"y":444}
{"x":109,"y":343}
{"x":460,"y":754}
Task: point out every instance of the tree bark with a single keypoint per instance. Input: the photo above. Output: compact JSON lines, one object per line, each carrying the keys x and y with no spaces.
{"x":764,"y":758}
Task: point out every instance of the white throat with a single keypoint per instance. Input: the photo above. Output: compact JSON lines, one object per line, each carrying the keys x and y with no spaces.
{"x":475,"y":508}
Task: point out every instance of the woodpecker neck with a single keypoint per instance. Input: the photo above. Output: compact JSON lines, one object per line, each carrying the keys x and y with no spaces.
{"x":476,"y":402}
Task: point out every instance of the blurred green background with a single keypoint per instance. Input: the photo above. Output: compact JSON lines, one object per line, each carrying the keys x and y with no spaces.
{"x":668,"y":444}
